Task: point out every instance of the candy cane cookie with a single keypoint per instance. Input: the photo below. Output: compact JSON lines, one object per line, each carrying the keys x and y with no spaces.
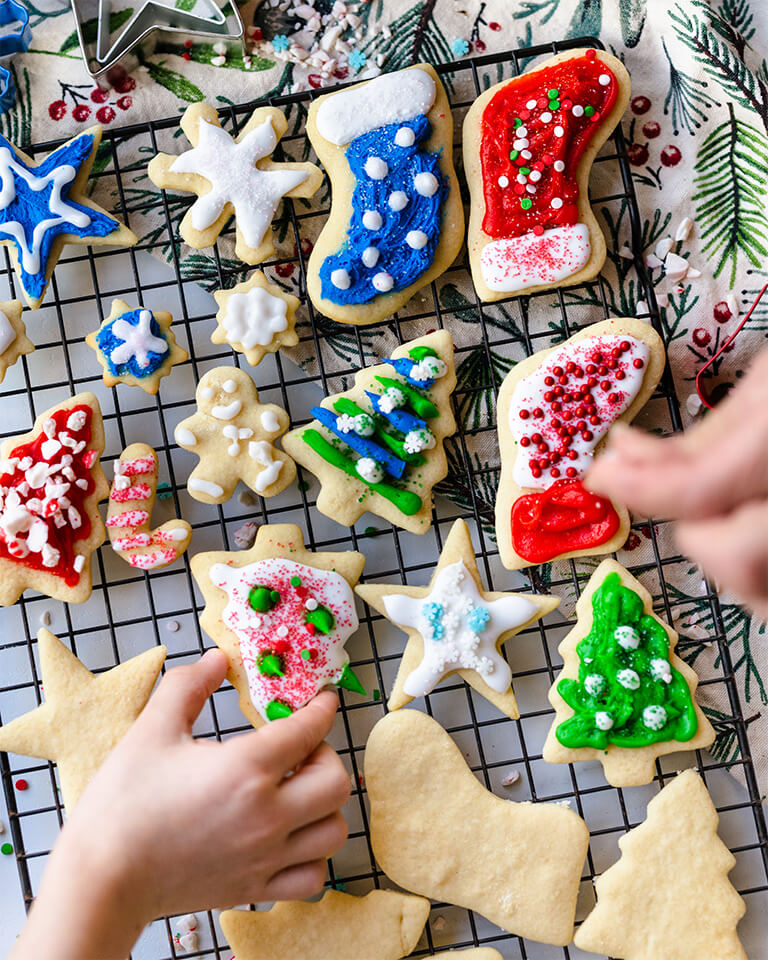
{"x":130,"y":508}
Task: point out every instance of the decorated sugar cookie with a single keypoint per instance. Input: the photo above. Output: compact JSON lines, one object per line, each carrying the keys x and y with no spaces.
{"x":379,"y":446}
{"x":136,"y":346}
{"x":233,"y":177}
{"x":256,"y":317}
{"x":455,"y":626}
{"x":51,"y":482}
{"x":282,"y":615}
{"x":233,"y":434}
{"x":397,"y":220}
{"x":623,"y":697}
{"x":669,"y":894}
{"x":554,"y":412}
{"x":14,"y":341}
{"x":130,"y":510}
{"x":45,"y":207}
{"x":84,"y":716}
{"x":529,"y":145}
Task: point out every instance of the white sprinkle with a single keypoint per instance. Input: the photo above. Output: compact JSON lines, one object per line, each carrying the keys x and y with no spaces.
{"x":663,"y":247}
{"x":559,"y":166}
{"x":416,"y":239}
{"x":531,"y":105}
{"x":372,"y":220}
{"x":577,"y":110}
{"x":78,"y":563}
{"x":340,"y":279}
{"x":557,"y":202}
{"x":173,"y":626}
{"x":535,"y":176}
{"x":282,"y":631}
{"x":311,"y":604}
{"x":641,"y":307}
{"x":405,"y":137}
{"x":546,"y":117}
{"x":398,"y":200}
{"x":376,"y":168}
{"x":383,"y":282}
{"x":45,"y":618}
{"x":693,"y":404}
{"x":218,"y":61}
{"x":684,"y":229}
{"x":521,"y":178}
{"x":521,"y":144}
{"x":558,"y":131}
{"x":510,"y":778}
{"x":370,"y":256}
{"x":526,"y":154}
{"x":426,"y":184}
{"x":530,"y":188}
{"x":522,"y":132}
{"x":503,"y":181}
{"x":652,"y":261}
{"x":603,"y":79}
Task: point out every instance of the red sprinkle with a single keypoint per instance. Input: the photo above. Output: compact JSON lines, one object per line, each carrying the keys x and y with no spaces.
{"x":538,"y":230}
{"x":637,"y":363}
{"x":21,"y":784}
{"x":590,"y":54}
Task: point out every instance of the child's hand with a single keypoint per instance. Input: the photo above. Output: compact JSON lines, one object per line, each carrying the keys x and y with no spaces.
{"x":171,"y":824}
{"x":713,"y":479}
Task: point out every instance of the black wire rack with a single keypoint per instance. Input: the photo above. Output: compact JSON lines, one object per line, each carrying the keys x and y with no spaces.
{"x":130,"y":610}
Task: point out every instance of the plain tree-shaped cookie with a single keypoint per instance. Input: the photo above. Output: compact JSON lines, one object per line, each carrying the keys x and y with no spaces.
{"x":14,"y":341}
{"x":669,"y":895}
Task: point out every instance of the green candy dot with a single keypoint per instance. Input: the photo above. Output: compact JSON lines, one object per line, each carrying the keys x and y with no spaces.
{"x":525,"y":171}
{"x":518,"y":122}
{"x":554,"y":104}
{"x":263,"y":598}
{"x":526,"y":203}
{"x":588,"y":111}
{"x":276,"y":710}
{"x":295,"y":581}
{"x":271,"y":665}
{"x":553,"y":93}
{"x":321,"y":619}
{"x":306,"y":654}
{"x":514,"y":154}
{"x":377,"y":694}
{"x":6,"y":849}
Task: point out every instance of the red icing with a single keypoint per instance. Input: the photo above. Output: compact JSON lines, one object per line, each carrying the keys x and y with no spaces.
{"x":564,"y":518}
{"x":57,"y":507}
{"x":577,"y":82}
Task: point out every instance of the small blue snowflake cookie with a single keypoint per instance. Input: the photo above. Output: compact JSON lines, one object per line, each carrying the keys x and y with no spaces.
{"x":136,"y":346}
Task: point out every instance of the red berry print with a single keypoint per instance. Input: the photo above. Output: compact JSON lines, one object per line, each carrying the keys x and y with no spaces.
{"x":57,"y":110}
{"x":493,"y":25}
{"x":306,"y":247}
{"x":722,"y":312}
{"x":633,"y":541}
{"x":125,"y":103}
{"x":638,"y":154}
{"x":99,"y":96}
{"x":125,"y":84}
{"x":701,"y":336}
{"x":671,"y":156}
{"x":105,"y":114}
{"x":284,"y":270}
{"x":480,"y":46}
{"x":81,"y":112}
{"x":651,"y":129}
{"x":186,"y":56}
{"x":255,"y":33}
{"x":640,"y":105}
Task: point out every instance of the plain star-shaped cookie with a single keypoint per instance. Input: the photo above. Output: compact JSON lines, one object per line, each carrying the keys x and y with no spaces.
{"x":14,"y":341}
{"x":455,"y":626}
{"x":84,"y":715}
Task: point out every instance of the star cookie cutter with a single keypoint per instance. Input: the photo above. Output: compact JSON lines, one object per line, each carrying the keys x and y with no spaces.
{"x":112,"y":33}
{"x":14,"y":42}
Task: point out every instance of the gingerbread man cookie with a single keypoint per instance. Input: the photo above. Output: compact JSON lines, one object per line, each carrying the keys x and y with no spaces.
{"x":130,"y":509}
{"x":233,"y":176}
{"x":14,"y":341}
{"x":233,"y":435}
{"x":256,"y":317}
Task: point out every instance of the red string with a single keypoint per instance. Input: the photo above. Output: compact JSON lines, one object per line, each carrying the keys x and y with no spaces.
{"x":699,"y":386}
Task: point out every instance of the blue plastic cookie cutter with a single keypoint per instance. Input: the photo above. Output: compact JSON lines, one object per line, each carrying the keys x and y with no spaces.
{"x":17,"y":41}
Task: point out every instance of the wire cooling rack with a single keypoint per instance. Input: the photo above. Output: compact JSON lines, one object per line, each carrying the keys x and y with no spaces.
{"x":130,"y":611}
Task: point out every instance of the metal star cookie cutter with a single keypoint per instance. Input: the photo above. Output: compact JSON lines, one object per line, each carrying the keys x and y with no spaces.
{"x":111,"y":33}
{"x":16,"y":41}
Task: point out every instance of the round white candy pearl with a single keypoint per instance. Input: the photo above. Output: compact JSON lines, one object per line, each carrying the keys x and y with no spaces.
{"x":559,"y":131}
{"x":603,"y":79}
{"x":594,"y":683}
{"x":340,"y":279}
{"x":376,"y":168}
{"x":372,"y":220}
{"x":603,"y":720}
{"x":383,"y":282}
{"x":628,"y":679}
{"x":503,"y":181}
{"x":426,"y":184}
{"x":557,"y":202}
{"x":398,"y":200}
{"x":627,"y":637}
{"x":416,"y":239}
{"x":370,"y":256}
{"x":531,"y":105}
{"x":654,"y":716}
{"x":535,"y":176}
{"x":661,"y":670}
{"x":559,"y":166}
{"x":546,"y":117}
{"x":405,"y":137}
{"x":577,"y":110}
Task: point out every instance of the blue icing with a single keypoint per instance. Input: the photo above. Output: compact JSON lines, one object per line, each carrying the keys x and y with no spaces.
{"x":400,"y":419}
{"x":29,"y":207}
{"x":478,"y":619}
{"x":403,"y":263}
{"x":107,"y":341}
{"x":433,"y":614}
{"x":404,"y":365}
{"x":393,"y":465}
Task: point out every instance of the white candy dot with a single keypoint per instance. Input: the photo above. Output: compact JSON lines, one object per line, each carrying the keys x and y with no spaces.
{"x":577,"y":110}
{"x":603,"y":720}
{"x":535,"y":176}
{"x":372,"y":220}
{"x":603,"y":79}
{"x":503,"y":181}
{"x":546,"y":117}
{"x":426,"y":184}
{"x":661,"y":670}
{"x":593,"y":684}
{"x":558,"y":131}
{"x":526,"y":154}
{"x":522,"y":132}
{"x":398,"y":200}
{"x":530,"y":105}
{"x":383,"y":282}
{"x":370,"y":256}
{"x":628,"y":679}
{"x":559,"y":166}
{"x":416,"y":239}
{"x":521,"y":178}
{"x":340,"y":279}
{"x":521,"y":144}
{"x":530,"y":188}
{"x":557,"y":202}
{"x":405,"y":137}
{"x":654,"y":716}
{"x":282,"y":631}
{"x":229,"y":386}
{"x":311,"y":604}
{"x":376,"y":168}
{"x":627,"y":637}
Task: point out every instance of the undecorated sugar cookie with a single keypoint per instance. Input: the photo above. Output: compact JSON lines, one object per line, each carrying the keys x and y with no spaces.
{"x":14,"y":341}
{"x":233,"y":177}
{"x":84,"y":714}
{"x":529,"y":145}
{"x":136,"y":347}
{"x":382,"y":925}
{"x":396,"y":220}
{"x":623,"y":697}
{"x":131,"y":500}
{"x":255,"y":317}
{"x":282,"y":615}
{"x":233,"y":435}
{"x":455,"y":626}
{"x":51,"y":483}
{"x":669,"y":895}
{"x":437,"y":832}
{"x":45,"y":207}
{"x":555,"y":409}
{"x":379,"y":446}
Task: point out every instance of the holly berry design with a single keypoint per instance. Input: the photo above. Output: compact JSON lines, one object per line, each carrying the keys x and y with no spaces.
{"x":85,"y":103}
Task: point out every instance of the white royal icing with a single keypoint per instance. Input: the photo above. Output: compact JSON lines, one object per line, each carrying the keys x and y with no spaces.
{"x":459,"y":628}
{"x":389,"y":98}
{"x":253,"y":318}
{"x":230,"y":169}
{"x":205,"y":486}
{"x":138,"y":341}
{"x":7,"y":333}
{"x":184,"y":437}
{"x":261,"y":451}
{"x":514,"y":263}
{"x":269,"y":421}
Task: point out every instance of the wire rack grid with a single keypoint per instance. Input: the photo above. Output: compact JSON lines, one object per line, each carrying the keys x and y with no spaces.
{"x":130,"y":610}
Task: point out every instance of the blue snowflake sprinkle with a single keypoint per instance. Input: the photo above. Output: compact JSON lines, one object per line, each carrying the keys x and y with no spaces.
{"x":280,"y":43}
{"x":460,"y":47}
{"x":478,"y":619}
{"x":357,"y":59}
{"x":433,"y":614}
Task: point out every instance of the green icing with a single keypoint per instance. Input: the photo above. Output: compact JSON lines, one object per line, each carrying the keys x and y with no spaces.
{"x":621,"y":696}
{"x":271,"y":665}
{"x":321,"y":619}
{"x":422,"y":406}
{"x":418,"y":353}
{"x":386,"y":439}
{"x":349,"y":681}
{"x":276,"y":710}
{"x":263,"y":598}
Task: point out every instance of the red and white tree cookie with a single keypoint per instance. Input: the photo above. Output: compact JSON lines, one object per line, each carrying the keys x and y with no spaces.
{"x":555,"y":410}
{"x":51,"y":482}
{"x":529,"y":144}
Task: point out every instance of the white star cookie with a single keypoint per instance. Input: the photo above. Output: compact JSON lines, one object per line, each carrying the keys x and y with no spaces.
{"x":454,"y":626}
{"x":255,"y":317}
{"x":233,"y":176}
{"x":233,"y":433}
{"x":14,"y":341}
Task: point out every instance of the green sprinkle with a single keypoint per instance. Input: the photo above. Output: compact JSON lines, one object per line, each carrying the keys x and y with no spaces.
{"x":377,"y":694}
{"x":518,"y":122}
{"x":370,"y":530}
{"x":514,"y":154}
{"x":263,"y":598}
{"x":321,"y":619}
{"x":554,"y":104}
{"x":553,"y":93}
{"x":588,"y":111}
{"x":276,"y":710}
{"x":295,"y":581}
{"x":525,"y":171}
{"x":303,"y":486}
{"x":6,"y":849}
{"x":270,"y":665}
{"x":306,"y":654}
{"x":526,"y":203}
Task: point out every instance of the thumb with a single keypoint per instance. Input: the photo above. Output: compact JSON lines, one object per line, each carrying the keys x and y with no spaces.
{"x":183,"y":691}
